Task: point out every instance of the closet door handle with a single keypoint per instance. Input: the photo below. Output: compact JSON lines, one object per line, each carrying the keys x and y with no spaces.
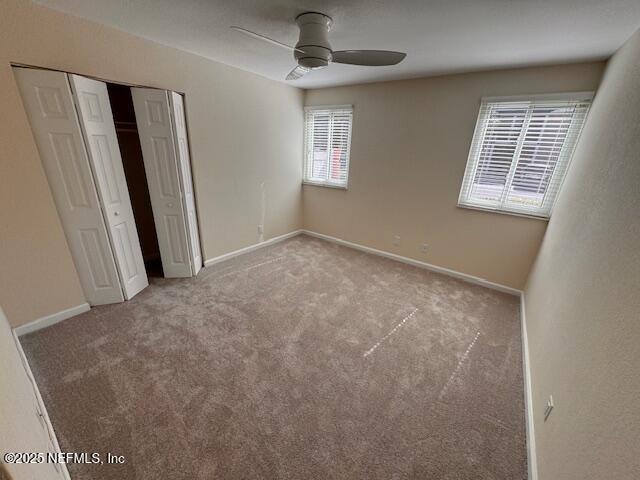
{"x":116,"y":213}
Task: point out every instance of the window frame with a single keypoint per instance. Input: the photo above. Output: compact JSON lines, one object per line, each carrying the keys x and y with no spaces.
{"x":305,"y":154}
{"x":546,"y":209}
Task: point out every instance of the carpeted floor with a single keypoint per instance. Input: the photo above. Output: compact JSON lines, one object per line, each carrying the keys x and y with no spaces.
{"x":303,"y":360}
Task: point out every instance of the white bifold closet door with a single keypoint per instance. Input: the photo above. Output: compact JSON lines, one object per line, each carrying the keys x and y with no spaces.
{"x":188,"y":198}
{"x":99,"y":130}
{"x":161,"y":127}
{"x":49,"y":104}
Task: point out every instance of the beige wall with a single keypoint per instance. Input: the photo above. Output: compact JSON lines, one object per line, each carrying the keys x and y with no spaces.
{"x":19,"y":423}
{"x":408,"y":154}
{"x":583,"y":296}
{"x":244,"y":130}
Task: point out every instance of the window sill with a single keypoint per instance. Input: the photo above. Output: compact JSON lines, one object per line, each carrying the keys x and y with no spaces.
{"x":328,"y":185}
{"x":503,"y":212}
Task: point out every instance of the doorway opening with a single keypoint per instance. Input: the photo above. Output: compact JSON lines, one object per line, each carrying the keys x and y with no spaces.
{"x":124,"y":118}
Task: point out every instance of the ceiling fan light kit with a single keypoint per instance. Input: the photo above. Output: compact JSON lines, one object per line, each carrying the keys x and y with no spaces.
{"x":313,"y":50}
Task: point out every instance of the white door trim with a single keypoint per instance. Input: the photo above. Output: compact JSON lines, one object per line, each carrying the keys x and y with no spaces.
{"x":41,"y":406}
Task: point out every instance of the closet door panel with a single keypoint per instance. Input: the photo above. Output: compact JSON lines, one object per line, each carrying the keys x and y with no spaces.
{"x":186,"y":181}
{"x":49,"y":105}
{"x":160,"y":162}
{"x":97,"y":123}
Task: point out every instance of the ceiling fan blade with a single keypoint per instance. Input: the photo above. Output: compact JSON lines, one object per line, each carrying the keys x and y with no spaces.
{"x":265,"y":39}
{"x":373,"y":58}
{"x":298,"y":72}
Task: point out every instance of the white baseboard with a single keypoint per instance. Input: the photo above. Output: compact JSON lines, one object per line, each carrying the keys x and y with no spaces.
{"x":528,"y":396}
{"x":52,"y":319}
{"x":250,"y":248}
{"x":62,"y":468}
{"x":417,"y":263}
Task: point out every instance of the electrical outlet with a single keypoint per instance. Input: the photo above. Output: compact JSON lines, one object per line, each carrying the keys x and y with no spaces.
{"x":424,"y":247}
{"x":548,"y":407}
{"x":260,"y":229}
{"x":396,"y":240}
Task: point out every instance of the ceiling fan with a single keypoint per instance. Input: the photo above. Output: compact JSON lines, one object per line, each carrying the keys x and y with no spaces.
{"x":313,"y":50}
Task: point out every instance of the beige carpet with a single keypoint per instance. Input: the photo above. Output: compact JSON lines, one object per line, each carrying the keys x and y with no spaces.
{"x":303,"y":360}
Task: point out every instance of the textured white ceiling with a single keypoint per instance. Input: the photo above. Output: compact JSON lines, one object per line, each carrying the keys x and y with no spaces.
{"x":439,"y":36}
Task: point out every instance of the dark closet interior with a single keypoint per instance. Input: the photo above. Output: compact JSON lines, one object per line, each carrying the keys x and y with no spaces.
{"x":127,"y":131}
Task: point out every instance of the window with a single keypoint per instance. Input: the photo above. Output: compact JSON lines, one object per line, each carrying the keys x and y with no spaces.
{"x":520,"y":152}
{"x":327,"y":140}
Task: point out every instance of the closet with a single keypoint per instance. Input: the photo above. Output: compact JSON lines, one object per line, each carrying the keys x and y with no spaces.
{"x":131,"y":152}
{"x":117,"y":161}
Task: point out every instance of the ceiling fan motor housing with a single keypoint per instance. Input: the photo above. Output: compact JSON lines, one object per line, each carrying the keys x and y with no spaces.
{"x":314,"y":48}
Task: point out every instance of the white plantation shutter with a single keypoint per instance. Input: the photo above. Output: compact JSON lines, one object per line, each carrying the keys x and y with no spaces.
{"x":520,"y":152}
{"x":327,"y":141}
